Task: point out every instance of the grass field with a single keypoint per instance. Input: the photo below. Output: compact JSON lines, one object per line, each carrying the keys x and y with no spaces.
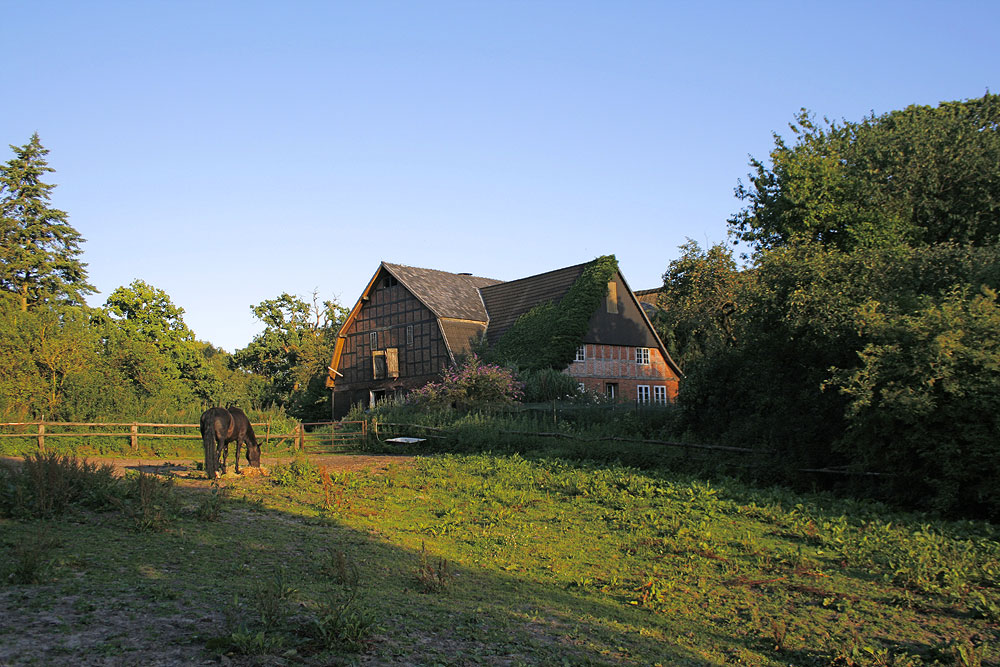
{"x":481,"y":559}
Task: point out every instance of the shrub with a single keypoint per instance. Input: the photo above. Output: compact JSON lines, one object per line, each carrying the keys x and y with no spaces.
{"x":547,"y":384}
{"x":46,"y":485}
{"x":470,"y":384}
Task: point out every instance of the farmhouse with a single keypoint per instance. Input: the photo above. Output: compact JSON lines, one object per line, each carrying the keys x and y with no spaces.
{"x":410,"y":324}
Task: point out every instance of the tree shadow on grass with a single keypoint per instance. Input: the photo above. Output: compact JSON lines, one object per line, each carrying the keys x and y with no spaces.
{"x":197,"y":580}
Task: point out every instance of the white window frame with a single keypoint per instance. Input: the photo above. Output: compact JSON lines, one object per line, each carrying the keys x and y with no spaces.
{"x":373,"y":339}
{"x":582,"y":387}
{"x":642,"y":394}
{"x":581,"y":353}
{"x":642,"y":356}
{"x":660,"y":394}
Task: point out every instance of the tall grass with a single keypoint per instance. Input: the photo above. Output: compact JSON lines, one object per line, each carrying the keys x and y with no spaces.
{"x":46,"y":485}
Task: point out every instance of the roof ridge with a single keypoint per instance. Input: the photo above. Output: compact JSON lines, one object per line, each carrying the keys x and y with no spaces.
{"x":539,"y":275}
{"x":450,"y":273}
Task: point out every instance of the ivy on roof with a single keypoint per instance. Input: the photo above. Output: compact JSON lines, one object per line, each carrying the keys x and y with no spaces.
{"x":548,"y":335}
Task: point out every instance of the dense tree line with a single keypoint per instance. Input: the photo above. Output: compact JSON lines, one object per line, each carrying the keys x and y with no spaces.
{"x":859,"y":333}
{"x":863,"y":334}
{"x":133,"y":358}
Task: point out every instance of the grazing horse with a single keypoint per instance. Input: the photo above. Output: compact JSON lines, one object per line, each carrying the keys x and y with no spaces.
{"x":219,"y":427}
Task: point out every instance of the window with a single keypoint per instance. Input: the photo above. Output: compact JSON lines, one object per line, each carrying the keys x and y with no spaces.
{"x":582,"y":388}
{"x":409,"y":334}
{"x":611,"y":390}
{"x":642,"y":356}
{"x":581,"y":353}
{"x":379,"y":366}
{"x":373,"y":338}
{"x":642,"y":393}
{"x":612,"y":297}
{"x":660,"y":395}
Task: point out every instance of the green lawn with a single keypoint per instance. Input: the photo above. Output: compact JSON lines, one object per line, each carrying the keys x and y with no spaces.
{"x":484,"y":559}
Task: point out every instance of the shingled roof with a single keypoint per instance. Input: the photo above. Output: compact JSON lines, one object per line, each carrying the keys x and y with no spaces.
{"x":448,"y":295}
{"x":505,"y":302}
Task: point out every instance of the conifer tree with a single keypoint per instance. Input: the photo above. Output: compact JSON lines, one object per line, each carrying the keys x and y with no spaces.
{"x":39,"y":249}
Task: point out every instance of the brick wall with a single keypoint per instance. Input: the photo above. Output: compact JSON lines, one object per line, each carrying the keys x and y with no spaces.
{"x":617,"y":364}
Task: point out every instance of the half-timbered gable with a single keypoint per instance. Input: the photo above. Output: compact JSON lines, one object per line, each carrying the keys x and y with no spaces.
{"x":408,"y":326}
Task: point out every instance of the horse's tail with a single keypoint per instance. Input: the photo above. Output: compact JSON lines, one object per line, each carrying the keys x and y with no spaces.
{"x":209,"y":441}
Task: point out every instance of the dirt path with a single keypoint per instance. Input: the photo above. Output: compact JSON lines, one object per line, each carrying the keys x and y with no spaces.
{"x":187,"y":467}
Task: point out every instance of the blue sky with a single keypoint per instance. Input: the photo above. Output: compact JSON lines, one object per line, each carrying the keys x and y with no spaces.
{"x":226,"y":152}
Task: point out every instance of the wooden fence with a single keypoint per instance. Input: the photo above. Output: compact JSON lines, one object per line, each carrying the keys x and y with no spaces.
{"x":304,"y":437}
{"x":384,"y":430}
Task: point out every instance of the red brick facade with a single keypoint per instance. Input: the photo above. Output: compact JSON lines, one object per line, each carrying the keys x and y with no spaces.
{"x":623,"y":370}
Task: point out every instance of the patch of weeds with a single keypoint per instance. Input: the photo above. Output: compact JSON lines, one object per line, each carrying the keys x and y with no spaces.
{"x":245,"y":642}
{"x":268,"y":627}
{"x":210,"y":506}
{"x":984,"y":607}
{"x":47,"y":485}
{"x":32,"y":560}
{"x":272,"y":599}
{"x":300,"y":474}
{"x":337,"y":567}
{"x":962,"y":653}
{"x":151,"y":502}
{"x":433,"y":575}
{"x":341,"y":625}
{"x":654,"y":594}
{"x":779,"y":635}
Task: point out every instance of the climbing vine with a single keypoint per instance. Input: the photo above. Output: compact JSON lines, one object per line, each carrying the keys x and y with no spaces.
{"x":548,"y":335}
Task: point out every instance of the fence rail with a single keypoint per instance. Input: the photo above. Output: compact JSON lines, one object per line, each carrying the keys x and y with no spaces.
{"x":439,"y":432}
{"x":340,"y":433}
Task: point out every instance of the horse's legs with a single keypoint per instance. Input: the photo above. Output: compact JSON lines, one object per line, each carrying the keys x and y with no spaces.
{"x":223,"y":454}
{"x":208,"y":440}
{"x":239,"y":440}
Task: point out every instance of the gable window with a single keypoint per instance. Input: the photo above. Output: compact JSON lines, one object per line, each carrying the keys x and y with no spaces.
{"x":373,"y":339}
{"x":642,"y":393}
{"x":409,"y":334}
{"x":581,"y":353}
{"x":660,"y":395}
{"x":642,"y":356}
{"x":612,"y":297}
{"x":379,"y":366}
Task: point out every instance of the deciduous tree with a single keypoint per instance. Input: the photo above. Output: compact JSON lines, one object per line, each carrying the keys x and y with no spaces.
{"x":917,"y":176}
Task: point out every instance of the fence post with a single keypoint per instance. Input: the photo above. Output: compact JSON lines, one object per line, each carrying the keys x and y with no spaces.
{"x":300,"y":441}
{"x":41,"y":436}
{"x":134,"y":437}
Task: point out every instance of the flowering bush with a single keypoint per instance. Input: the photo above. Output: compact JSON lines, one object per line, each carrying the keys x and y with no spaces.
{"x":470,"y":384}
